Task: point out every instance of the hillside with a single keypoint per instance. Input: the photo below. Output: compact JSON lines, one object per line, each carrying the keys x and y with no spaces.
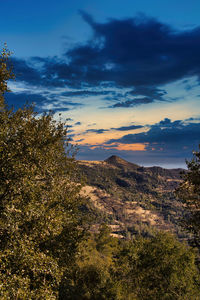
{"x":131,"y":198}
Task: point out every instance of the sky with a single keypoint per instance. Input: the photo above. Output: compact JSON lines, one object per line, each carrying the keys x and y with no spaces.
{"x":125,"y":74}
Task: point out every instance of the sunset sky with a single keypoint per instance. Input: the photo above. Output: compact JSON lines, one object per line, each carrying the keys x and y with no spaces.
{"x":125,"y":73}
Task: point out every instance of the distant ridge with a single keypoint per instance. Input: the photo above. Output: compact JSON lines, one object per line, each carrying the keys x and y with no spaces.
{"x":133,"y":198}
{"x":169,"y":173}
{"x":121,"y":163}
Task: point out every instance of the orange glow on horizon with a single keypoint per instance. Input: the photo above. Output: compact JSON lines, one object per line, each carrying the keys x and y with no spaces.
{"x":119,"y":146}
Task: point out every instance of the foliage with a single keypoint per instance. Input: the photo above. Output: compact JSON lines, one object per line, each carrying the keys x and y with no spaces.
{"x":93,"y":276}
{"x":39,"y":202}
{"x":5,"y":74}
{"x":155,"y":268}
{"x":189,"y":192}
{"x":158,"y":268}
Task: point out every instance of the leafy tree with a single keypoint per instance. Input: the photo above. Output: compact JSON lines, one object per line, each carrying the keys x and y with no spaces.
{"x":39,"y":201}
{"x":92,"y":281}
{"x":189,"y":192}
{"x":5,"y":74}
{"x":158,"y":268}
{"x":92,"y":278}
{"x":105,"y":243}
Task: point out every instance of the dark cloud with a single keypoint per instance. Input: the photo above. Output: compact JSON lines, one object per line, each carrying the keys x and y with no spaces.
{"x":133,"y":102}
{"x":16,"y":99}
{"x":26,"y":73}
{"x":149,"y":91}
{"x":193,"y":119}
{"x":122,"y":128}
{"x":39,"y":101}
{"x":131,"y":98}
{"x":98,"y":131}
{"x":167,"y":137}
{"x":137,"y":53}
{"x":126,"y":128}
{"x":78,"y":123}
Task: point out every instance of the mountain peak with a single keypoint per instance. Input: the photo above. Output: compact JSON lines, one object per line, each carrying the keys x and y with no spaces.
{"x":114,"y":158}
{"x":120,"y":162}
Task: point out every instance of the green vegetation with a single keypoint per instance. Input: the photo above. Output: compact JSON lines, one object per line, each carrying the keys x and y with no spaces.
{"x":189,"y":192}
{"x":159,"y":268}
{"x":45,"y":250}
{"x":39,"y":219}
{"x":152,"y":268}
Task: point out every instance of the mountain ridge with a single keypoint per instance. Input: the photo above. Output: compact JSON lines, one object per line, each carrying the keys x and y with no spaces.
{"x":134,"y":198}
{"x":117,"y":160}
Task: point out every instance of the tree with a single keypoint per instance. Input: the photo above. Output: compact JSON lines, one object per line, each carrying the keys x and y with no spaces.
{"x":92,"y":278}
{"x":39,"y":201}
{"x":158,"y":268}
{"x":189,"y":193}
{"x":5,"y":74}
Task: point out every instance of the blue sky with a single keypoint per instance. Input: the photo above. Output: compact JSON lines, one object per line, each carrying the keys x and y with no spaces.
{"x":126,"y":73}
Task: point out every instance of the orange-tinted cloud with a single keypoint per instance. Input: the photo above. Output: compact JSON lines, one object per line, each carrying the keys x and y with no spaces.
{"x":131,"y":147}
{"x":119,"y":146}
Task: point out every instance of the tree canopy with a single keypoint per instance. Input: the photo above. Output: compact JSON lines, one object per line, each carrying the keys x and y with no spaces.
{"x":189,"y":192}
{"x":39,"y":201}
{"x":5,"y":74}
{"x":158,"y":268}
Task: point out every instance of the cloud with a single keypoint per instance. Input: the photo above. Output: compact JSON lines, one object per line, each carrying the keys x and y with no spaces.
{"x":42,"y":102}
{"x":126,"y":128}
{"x":136,"y":52}
{"x":26,"y":73}
{"x":193,"y":119}
{"x":139,"y":53}
{"x":16,"y":99}
{"x":149,"y":91}
{"x":98,"y":131}
{"x":167,"y":143}
{"x":122,"y":128}
{"x":133,"y":102}
{"x":85,"y":93}
{"x":132,"y":97}
{"x":167,"y":137}
{"x":89,"y":125}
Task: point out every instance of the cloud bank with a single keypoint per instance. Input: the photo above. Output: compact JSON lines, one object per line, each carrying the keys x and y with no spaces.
{"x":140,"y":53}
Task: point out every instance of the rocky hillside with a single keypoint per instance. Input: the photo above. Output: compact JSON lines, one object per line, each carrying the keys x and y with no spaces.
{"x":133,"y":199}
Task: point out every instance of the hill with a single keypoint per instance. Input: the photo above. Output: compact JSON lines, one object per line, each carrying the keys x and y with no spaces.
{"x":131,"y":198}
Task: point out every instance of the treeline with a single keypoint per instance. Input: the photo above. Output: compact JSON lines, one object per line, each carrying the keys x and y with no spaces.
{"x":46,"y":249}
{"x":144,"y":268}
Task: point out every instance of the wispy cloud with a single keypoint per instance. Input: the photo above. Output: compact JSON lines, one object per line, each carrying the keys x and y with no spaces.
{"x":126,"y":128}
{"x":43,"y":101}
